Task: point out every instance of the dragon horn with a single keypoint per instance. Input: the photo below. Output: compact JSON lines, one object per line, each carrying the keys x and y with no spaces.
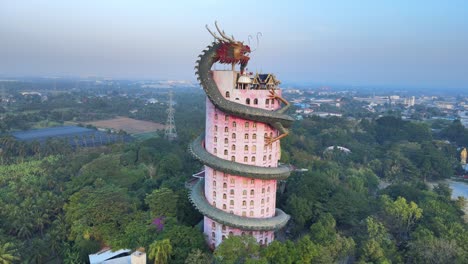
{"x":213,"y":34}
{"x":223,"y":34}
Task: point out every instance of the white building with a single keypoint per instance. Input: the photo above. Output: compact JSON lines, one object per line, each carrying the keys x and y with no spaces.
{"x":122,"y":256}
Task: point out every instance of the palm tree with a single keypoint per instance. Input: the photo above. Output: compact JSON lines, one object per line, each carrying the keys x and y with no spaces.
{"x":160,"y":251}
{"x":7,"y":253}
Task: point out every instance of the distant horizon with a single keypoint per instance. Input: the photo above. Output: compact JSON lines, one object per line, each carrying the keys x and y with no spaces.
{"x":285,"y":83}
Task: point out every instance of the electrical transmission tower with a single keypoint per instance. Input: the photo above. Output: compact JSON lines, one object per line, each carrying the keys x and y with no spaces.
{"x":170,"y":131}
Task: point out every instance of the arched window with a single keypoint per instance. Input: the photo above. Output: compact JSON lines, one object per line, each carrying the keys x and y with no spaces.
{"x":252,"y":192}
{"x":215,"y":139}
{"x":224,"y":196}
{"x":251,"y":213}
{"x":243,"y":213}
{"x":214,"y":203}
{"x":263,"y":191}
{"x":213,"y":224}
{"x":263,"y":201}
{"x":243,"y":233}
{"x":213,"y":234}
{"x":252,"y":181}
{"x":223,"y":237}
{"x":264,"y":157}
{"x":268,"y":199}
{"x":255,"y":101}
{"x":227,"y":94}
{"x":216,"y":128}
{"x":266,"y":135}
{"x":226,"y":129}
{"x":253,"y":159}
{"x":233,"y":135}
{"x":224,"y":185}
{"x":216,"y":116}
{"x":231,"y":192}
{"x":233,"y":148}
{"x":266,"y":240}
{"x":267,"y":210}
{"x":251,"y":202}
{"x":214,"y":194}
{"x":214,"y":183}
{"x":234,"y":124}
{"x":267,"y":101}
{"x":244,"y":192}
{"x":255,"y":124}
{"x":246,"y":136}
{"x":233,"y":158}
{"x":233,"y":181}
{"x":246,"y":124}
{"x":271,"y":134}
{"x":247,"y":101}
{"x":226,"y":118}
{"x":224,"y":206}
{"x":269,"y":157}
{"x":224,"y":228}
{"x":254,"y":148}
{"x":246,"y":148}
{"x":263,"y":211}
{"x":231,"y":233}
{"x":225,"y":152}
{"x":261,"y":242}
{"x":246,"y":159}
{"x":244,"y":203}
{"x":215,"y":151}
{"x":226,"y":141}
{"x":268,"y":189}
{"x":231,"y":202}
{"x":254,"y":136}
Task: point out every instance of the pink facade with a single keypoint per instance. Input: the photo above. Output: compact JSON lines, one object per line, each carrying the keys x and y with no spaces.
{"x":242,"y":141}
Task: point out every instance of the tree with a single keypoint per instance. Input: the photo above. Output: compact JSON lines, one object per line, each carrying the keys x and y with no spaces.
{"x":280,"y":253}
{"x":377,"y":246}
{"x":300,"y":209}
{"x":160,"y":251}
{"x":8,"y":253}
{"x":401,"y":215}
{"x":443,"y":189}
{"x":426,"y":248}
{"x":98,"y":212}
{"x":196,"y":256}
{"x":332,"y":246}
{"x":162,"y":202}
{"x":236,"y":249}
{"x":184,"y":239}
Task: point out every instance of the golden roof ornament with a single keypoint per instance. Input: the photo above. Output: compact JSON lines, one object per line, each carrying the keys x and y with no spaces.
{"x":463,"y":156}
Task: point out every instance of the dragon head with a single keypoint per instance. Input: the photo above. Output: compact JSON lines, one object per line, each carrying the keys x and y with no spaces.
{"x":230,"y":51}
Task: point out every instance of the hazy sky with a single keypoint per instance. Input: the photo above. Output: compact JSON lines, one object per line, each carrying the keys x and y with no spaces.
{"x":407,"y":42}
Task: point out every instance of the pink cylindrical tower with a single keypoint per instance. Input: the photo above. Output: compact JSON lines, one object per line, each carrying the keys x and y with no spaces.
{"x":240,"y":150}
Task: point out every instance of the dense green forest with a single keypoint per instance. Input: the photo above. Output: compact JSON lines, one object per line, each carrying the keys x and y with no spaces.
{"x":372,"y":205}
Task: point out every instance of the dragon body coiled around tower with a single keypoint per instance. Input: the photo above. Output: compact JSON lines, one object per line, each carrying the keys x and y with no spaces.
{"x":237,"y":189}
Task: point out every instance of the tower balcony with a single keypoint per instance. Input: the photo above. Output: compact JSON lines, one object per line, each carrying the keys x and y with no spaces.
{"x":257,"y":172}
{"x":197,"y":197}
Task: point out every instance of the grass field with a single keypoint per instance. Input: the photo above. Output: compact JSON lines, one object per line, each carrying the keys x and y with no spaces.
{"x":129,"y":125}
{"x":145,"y":136}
